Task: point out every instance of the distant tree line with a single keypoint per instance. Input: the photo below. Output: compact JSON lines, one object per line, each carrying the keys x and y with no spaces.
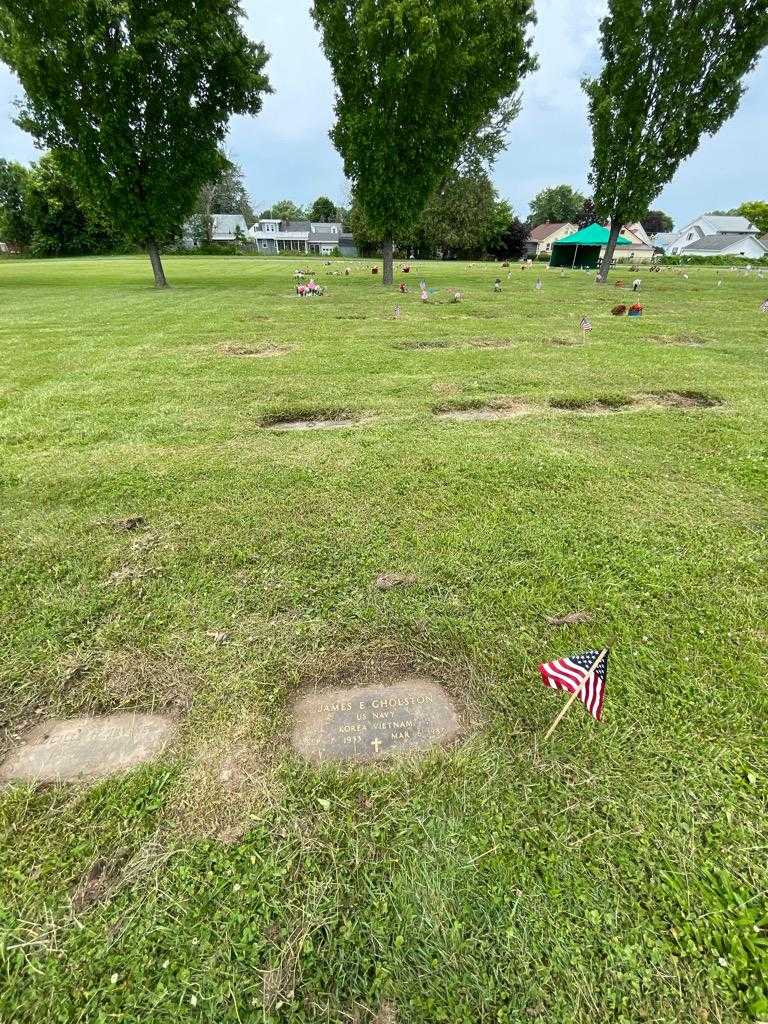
{"x":132,"y":102}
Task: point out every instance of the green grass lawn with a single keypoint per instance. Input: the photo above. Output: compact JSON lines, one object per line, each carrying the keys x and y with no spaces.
{"x":616,"y":873}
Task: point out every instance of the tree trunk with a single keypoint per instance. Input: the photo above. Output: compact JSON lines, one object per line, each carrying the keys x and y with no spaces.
{"x":605,"y":266}
{"x":389,"y":270}
{"x":157,"y":264}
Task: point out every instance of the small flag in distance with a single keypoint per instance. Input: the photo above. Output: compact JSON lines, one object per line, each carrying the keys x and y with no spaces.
{"x":585,"y":324}
{"x":571,"y":673}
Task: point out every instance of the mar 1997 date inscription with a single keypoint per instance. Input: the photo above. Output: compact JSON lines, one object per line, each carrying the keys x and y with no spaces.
{"x":371,"y":723}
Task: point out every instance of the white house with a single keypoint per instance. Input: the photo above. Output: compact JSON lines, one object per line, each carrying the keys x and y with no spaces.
{"x":225,"y":227}
{"x":727,"y":243}
{"x":272,"y":236}
{"x":707,"y":226}
{"x":640,"y":247}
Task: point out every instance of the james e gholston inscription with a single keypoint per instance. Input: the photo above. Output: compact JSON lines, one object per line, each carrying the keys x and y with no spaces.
{"x":371,"y":723}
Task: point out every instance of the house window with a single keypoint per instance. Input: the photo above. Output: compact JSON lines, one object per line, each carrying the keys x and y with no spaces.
{"x":264,"y":245}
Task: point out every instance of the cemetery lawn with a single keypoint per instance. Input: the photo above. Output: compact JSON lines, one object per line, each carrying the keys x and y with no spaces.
{"x":616,"y":873}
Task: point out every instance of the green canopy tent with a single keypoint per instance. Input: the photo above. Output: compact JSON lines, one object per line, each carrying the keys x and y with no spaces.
{"x":582,"y":250}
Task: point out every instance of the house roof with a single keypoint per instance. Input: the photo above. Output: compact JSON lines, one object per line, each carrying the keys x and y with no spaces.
{"x":764,"y":239}
{"x":225,"y":223}
{"x":665,"y":238}
{"x":543,"y":231}
{"x":739,"y":225}
{"x":595,"y":234}
{"x":715,"y":243}
{"x":297,"y":225}
{"x":637,"y":234}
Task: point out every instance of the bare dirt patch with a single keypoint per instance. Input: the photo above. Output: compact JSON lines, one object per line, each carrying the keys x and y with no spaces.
{"x":684,"y":399}
{"x":504,"y":409}
{"x":683,"y":340}
{"x":224,"y":783}
{"x":569,"y":618}
{"x":565,"y":342}
{"x":311,"y":419}
{"x":256,"y":351}
{"x":419,"y":345}
{"x":490,"y":342}
{"x":101,"y":879}
{"x":391,"y":580}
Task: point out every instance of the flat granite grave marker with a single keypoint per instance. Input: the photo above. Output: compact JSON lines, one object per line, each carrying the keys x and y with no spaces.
{"x":373,"y":723}
{"x":81,"y":748}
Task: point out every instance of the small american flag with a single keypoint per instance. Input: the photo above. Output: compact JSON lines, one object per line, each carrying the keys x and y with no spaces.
{"x":764,"y":306}
{"x":569,"y":674}
{"x":585,"y":325}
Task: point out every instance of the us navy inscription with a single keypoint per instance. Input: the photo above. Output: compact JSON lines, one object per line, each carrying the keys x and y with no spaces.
{"x":372,"y":723}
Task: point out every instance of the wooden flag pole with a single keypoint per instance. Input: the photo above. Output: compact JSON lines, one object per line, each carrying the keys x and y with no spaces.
{"x":576,"y":692}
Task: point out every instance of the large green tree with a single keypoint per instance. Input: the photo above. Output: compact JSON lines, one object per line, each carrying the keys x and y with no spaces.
{"x":656,"y":221}
{"x":60,"y":223}
{"x":135,"y":97}
{"x":415,"y":80}
{"x":462,"y":217}
{"x":560,"y":204}
{"x":15,"y":229}
{"x":323,"y":210}
{"x":286,"y":209}
{"x":757,"y":212}
{"x":672,"y":72}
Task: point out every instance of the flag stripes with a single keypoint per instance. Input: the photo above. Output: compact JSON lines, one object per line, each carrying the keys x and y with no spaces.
{"x":571,"y":674}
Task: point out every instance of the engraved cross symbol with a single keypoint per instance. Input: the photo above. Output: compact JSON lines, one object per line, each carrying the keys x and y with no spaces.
{"x":376,"y":744}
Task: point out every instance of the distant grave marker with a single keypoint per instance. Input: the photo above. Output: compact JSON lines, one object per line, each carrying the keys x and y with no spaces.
{"x":82,"y":748}
{"x":374,"y":723}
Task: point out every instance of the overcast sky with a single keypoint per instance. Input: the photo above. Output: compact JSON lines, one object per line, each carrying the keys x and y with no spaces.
{"x":286,"y":151}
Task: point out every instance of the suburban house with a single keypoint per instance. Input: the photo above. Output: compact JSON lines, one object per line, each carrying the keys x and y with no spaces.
{"x":544,"y":236}
{"x":640,"y":245}
{"x":225,"y":227}
{"x":727,"y":243}
{"x":724,"y":235}
{"x":272,"y":236}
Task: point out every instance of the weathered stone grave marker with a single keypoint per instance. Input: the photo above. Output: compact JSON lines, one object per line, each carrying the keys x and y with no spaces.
{"x":82,"y":748}
{"x":373,"y":723}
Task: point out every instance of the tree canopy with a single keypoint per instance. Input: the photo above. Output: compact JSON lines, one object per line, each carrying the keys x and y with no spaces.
{"x":461,"y":217}
{"x":757,"y":212}
{"x":414,"y":81}
{"x":323,"y":210}
{"x":672,"y":72}
{"x":286,"y":209}
{"x":560,"y":204}
{"x":15,"y":228}
{"x":656,"y":221}
{"x":135,"y":98}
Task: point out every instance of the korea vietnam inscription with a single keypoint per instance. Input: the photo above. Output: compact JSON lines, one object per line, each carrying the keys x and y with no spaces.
{"x":372,"y":723}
